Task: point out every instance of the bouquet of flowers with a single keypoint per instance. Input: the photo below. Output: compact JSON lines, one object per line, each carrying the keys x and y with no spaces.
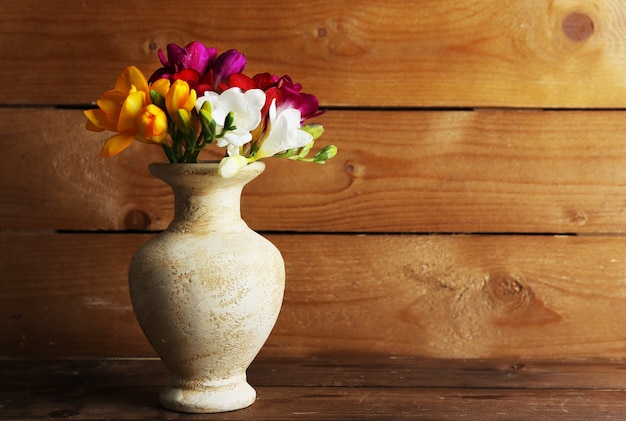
{"x":199,"y":98}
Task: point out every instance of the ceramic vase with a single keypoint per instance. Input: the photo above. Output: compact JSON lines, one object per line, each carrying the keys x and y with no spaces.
{"x":207,"y":291}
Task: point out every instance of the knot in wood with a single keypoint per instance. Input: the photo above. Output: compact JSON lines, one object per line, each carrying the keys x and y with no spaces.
{"x":579,"y":218}
{"x":137,"y":219}
{"x":354,"y":169}
{"x":508,"y":292}
{"x":578,"y":26}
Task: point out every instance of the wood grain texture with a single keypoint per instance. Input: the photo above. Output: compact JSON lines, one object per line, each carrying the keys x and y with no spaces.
{"x":436,"y":107}
{"x":330,"y":371}
{"x":476,"y":390}
{"x":427,"y":296}
{"x":317,"y":403}
{"x":513,"y":53}
{"x":481,"y":171}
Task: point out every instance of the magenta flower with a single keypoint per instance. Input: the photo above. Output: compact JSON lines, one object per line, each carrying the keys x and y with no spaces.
{"x":195,"y":56}
{"x":291,"y":96}
{"x":216,"y":77}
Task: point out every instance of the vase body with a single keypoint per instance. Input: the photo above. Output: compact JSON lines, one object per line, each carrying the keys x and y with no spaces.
{"x":207,"y":291}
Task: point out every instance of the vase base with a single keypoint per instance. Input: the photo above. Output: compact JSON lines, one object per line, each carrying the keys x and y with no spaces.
{"x":210,"y":399}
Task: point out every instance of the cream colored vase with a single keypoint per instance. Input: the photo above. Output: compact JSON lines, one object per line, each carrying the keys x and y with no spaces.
{"x":207,"y":290}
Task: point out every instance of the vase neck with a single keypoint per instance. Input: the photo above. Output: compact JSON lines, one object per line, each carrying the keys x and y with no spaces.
{"x":203,"y":198}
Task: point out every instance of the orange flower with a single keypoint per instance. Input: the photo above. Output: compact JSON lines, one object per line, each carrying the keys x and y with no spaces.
{"x":162,"y":86}
{"x":180,"y":97}
{"x":119,"y":110}
{"x":180,"y":101}
{"x":152,"y":125}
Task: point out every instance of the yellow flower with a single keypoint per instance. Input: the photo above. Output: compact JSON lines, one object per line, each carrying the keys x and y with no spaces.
{"x":119,"y":110}
{"x":180,"y":100}
{"x":162,"y":86}
{"x":180,"y":96}
{"x":152,"y":125}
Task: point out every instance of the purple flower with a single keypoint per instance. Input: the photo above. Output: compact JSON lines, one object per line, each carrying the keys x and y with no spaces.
{"x":226,"y":64}
{"x":194,"y":56}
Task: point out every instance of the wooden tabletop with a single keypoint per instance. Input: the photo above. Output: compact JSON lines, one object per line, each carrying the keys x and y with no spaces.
{"x":341,"y":388}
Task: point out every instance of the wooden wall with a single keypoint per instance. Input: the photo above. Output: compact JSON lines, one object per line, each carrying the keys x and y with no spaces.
{"x":475,"y":210}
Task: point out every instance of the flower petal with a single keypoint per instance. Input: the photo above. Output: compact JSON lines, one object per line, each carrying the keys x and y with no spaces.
{"x":111,"y":101}
{"x":116,"y":144}
{"x":152,"y":125}
{"x":197,"y":56}
{"x":209,"y":96}
{"x":285,"y":133}
{"x":231,"y":165}
{"x":132,"y":77}
{"x":226,"y":64}
{"x":242,"y":81}
{"x":245,"y":110}
{"x":97,"y":121}
{"x":180,"y":96}
{"x":129,"y":112}
{"x":162,"y":86}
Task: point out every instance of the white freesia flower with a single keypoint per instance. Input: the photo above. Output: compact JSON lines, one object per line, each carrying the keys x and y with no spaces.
{"x":284,"y":133}
{"x":231,"y":165}
{"x":246,"y":112}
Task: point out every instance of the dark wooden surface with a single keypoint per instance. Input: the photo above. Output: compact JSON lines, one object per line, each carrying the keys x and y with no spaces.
{"x":319,"y":388}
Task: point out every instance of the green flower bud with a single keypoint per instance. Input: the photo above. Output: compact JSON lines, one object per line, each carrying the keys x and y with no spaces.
{"x":184,"y":120}
{"x":325,"y":154}
{"x":306,"y":149}
{"x":209,"y":127}
{"x":228,"y":123}
{"x":315,"y":130}
{"x":157,"y":99}
{"x":206,"y":106}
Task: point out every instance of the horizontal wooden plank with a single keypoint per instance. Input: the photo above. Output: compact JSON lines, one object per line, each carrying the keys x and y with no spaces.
{"x":336,"y":370}
{"x":414,"y":295}
{"x":315,"y":403}
{"x":514,"y":53}
{"x":397,"y":171}
{"x":106,"y":393}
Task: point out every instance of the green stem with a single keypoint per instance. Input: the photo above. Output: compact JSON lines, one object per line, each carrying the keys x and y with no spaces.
{"x":169,"y":153}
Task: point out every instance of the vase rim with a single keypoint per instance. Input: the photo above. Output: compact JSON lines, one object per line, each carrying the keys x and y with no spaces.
{"x":202,"y":167}
{"x":201,"y":163}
